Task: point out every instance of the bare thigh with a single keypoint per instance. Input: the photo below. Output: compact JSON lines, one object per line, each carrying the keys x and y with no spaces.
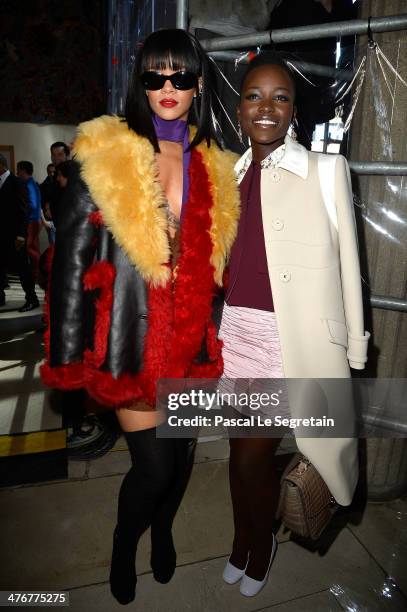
{"x":140,"y":417}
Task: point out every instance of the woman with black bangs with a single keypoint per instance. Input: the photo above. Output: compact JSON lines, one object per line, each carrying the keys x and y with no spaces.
{"x":139,"y":255}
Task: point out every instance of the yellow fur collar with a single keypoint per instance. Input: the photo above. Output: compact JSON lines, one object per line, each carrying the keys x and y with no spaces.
{"x":120,"y":170}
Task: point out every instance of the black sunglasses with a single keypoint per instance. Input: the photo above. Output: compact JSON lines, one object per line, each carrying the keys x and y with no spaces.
{"x":180,"y":80}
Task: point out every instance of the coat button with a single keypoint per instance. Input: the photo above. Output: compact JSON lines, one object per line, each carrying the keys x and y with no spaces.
{"x":277,"y":224}
{"x":285,"y":276}
{"x":275,"y":176}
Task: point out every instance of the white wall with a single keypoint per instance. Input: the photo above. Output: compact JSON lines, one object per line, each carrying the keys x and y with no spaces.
{"x":32,"y":142}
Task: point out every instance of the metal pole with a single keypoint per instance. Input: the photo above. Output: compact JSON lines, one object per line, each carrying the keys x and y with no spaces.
{"x":388,"y":303}
{"x":384,"y":168}
{"x":383,"y":422}
{"x":337,"y":28}
{"x":307,"y":67}
{"x":182,"y":14}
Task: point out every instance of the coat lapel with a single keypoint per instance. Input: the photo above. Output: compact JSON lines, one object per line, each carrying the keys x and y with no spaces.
{"x":120,"y":171}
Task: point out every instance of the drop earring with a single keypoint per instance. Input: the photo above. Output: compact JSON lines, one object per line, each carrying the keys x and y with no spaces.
{"x":239,"y":132}
{"x":292,"y":131}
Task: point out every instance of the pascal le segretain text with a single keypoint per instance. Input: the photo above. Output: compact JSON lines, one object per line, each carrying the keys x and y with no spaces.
{"x":254,"y":420}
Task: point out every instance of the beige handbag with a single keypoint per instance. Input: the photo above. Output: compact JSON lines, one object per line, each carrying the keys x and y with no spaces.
{"x":306,"y":505}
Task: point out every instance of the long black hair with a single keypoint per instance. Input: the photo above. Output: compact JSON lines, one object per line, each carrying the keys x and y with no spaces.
{"x":175,"y":49}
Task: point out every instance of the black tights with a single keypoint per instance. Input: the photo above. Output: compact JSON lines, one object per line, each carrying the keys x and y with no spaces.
{"x":150,"y":495}
{"x":254,"y":487}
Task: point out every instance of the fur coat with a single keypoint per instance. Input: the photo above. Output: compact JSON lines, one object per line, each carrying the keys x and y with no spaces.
{"x":118,"y":318}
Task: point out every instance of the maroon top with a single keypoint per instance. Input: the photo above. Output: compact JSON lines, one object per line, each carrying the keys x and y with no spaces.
{"x":249,"y":283}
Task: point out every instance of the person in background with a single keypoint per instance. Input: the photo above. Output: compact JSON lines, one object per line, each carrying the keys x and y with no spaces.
{"x":46,"y":191}
{"x":47,"y":183}
{"x":13,"y":234}
{"x":60,"y":152}
{"x":25,"y":170}
{"x":65,"y":171}
{"x":48,"y":223}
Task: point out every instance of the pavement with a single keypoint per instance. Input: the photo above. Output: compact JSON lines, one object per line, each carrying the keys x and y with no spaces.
{"x":57,"y":535}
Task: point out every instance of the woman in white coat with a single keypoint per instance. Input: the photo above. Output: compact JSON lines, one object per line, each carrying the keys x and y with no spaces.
{"x":293,"y":307}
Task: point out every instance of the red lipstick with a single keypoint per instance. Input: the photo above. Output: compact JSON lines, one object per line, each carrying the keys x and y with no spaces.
{"x":168,"y":103}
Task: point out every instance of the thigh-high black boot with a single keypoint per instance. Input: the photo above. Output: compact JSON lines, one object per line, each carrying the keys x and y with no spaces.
{"x":163,"y":555}
{"x":144,"y":489}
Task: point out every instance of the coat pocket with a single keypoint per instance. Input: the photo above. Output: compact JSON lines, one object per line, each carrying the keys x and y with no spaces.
{"x":337,"y":332}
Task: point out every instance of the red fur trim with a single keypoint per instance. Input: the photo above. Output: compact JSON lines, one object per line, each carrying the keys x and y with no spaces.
{"x":65,"y":377}
{"x":114,"y":392}
{"x":96,"y":218}
{"x":101,"y":276}
{"x":158,"y":338}
{"x":194,"y":285}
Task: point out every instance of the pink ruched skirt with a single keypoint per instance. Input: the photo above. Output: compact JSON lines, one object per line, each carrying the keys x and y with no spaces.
{"x":252,"y":357}
{"x":251,"y":344}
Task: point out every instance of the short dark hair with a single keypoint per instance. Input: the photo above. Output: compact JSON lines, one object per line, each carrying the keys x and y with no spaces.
{"x":3,"y":161}
{"x":59,"y":144}
{"x":68,"y":168}
{"x":177,"y":49}
{"x":270,"y":58}
{"x":26,"y":166}
{"x":49,"y":165}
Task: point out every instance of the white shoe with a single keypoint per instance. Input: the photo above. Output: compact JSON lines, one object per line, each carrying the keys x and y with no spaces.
{"x":249,"y":586}
{"x":232,"y":574}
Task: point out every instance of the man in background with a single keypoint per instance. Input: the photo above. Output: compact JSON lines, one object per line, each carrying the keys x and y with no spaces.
{"x":13,"y":234}
{"x":60,"y":152}
{"x":25,"y":170}
{"x":46,"y":185}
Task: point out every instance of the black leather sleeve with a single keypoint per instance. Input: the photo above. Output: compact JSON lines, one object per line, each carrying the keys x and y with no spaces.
{"x":75,"y":247}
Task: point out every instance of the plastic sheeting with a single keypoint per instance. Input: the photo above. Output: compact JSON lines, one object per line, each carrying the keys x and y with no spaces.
{"x":387,"y":528}
{"x":130,"y":22}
